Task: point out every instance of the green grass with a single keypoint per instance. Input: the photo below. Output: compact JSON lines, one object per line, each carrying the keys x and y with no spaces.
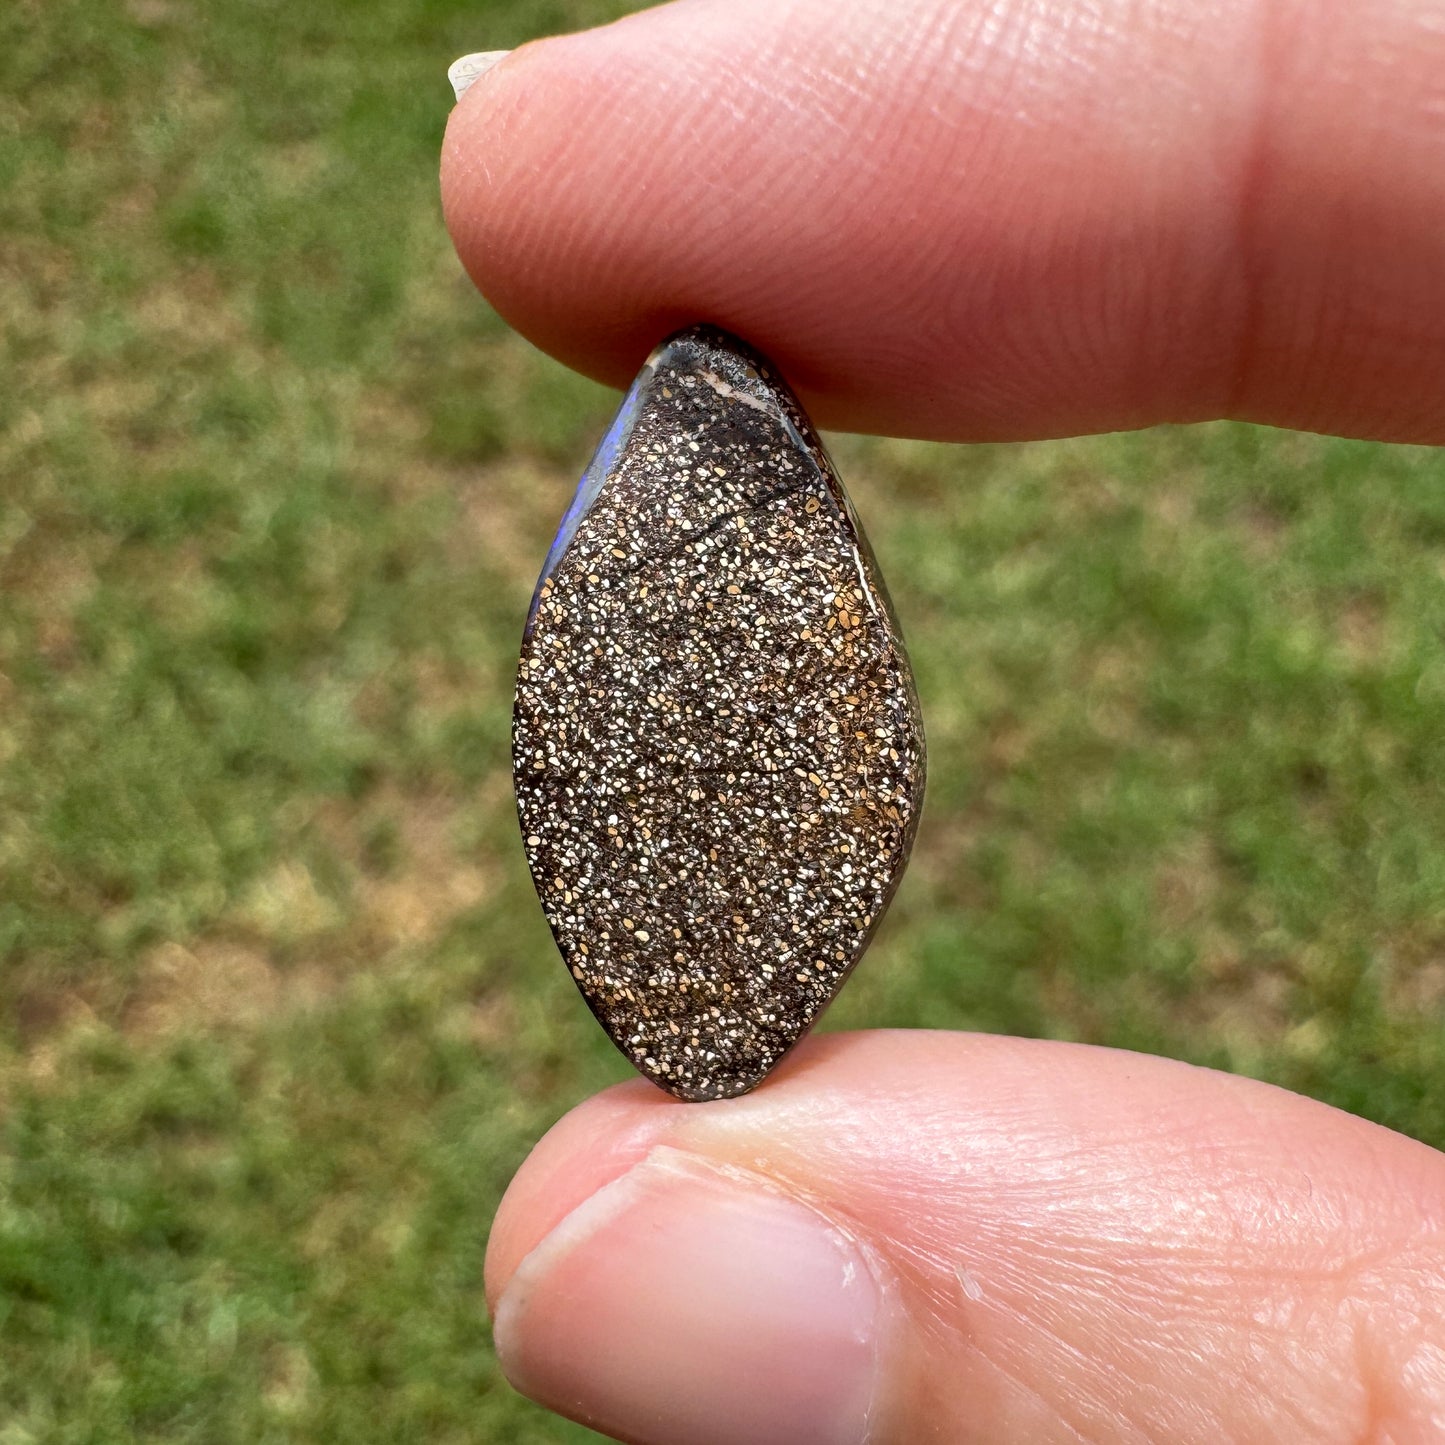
{"x":279,"y":1014}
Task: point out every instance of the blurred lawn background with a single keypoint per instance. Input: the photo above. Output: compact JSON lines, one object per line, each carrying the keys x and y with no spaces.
{"x":280,"y":1013}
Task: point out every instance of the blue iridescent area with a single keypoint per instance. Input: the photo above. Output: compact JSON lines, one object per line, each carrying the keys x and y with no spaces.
{"x":609,"y":449}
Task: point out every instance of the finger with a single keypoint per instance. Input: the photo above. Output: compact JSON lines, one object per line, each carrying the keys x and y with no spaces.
{"x":909,"y":1236}
{"x":985,"y":220}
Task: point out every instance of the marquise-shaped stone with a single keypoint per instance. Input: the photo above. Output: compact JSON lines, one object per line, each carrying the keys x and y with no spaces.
{"x":717,"y":746}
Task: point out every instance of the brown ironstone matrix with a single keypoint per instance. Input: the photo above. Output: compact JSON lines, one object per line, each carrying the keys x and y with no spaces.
{"x":717,"y":745}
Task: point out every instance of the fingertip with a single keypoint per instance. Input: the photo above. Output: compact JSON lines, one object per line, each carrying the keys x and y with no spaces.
{"x":885,"y":1076}
{"x":601,"y":1139}
{"x":642,"y":1311}
{"x":587,"y":1149}
{"x":532,"y":201}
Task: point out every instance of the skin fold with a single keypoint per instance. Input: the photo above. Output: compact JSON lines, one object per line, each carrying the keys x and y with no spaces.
{"x":984,"y":219}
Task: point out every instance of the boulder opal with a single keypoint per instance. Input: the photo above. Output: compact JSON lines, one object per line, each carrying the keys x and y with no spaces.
{"x":717,"y":746}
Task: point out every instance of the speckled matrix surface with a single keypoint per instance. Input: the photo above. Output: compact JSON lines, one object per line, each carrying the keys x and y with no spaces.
{"x":717,"y":746}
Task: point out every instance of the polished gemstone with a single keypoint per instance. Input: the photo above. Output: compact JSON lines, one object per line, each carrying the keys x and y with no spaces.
{"x":717,"y":746}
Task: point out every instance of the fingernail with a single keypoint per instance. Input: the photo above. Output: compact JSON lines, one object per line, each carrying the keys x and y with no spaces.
{"x":465,"y":73}
{"x":681,"y":1305}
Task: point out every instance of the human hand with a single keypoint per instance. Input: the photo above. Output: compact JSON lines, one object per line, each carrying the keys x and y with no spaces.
{"x":1013,"y":219}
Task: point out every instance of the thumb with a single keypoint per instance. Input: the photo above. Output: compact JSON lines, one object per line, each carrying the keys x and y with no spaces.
{"x":909,"y":1236}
